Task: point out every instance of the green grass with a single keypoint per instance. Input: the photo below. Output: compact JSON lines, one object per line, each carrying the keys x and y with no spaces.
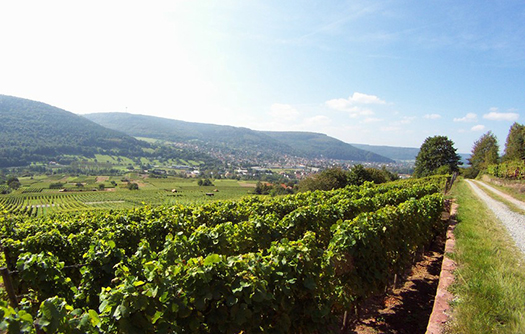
{"x":150,"y":140}
{"x":114,"y":160}
{"x":490,"y":279}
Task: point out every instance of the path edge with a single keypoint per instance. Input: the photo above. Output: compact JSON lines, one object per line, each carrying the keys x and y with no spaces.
{"x":441,"y":309}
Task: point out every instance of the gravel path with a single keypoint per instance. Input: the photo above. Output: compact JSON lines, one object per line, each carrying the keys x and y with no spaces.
{"x":514,"y":222}
{"x":509,"y":198}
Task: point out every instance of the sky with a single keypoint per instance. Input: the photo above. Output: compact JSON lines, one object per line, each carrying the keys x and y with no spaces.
{"x":369,"y":72}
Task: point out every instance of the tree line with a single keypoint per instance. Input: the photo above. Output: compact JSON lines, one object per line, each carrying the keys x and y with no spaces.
{"x":437,"y":154}
{"x":485,"y":151}
{"x":328,"y":179}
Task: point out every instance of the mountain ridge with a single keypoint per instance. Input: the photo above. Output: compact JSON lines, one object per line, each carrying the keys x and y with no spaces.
{"x":32,"y":131}
{"x":237,"y":139}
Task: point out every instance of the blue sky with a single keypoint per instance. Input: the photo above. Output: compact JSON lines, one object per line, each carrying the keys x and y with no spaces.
{"x":370,"y":72}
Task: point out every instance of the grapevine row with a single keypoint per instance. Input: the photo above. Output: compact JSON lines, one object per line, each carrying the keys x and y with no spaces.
{"x":287,"y":265}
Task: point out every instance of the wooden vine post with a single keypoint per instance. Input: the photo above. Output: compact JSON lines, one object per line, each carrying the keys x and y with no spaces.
{"x":8,"y":284}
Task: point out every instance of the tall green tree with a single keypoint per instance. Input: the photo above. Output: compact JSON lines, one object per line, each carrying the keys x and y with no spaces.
{"x":437,"y":155}
{"x":335,"y":178}
{"x":359,"y":175}
{"x":13,"y":182}
{"x":329,"y":179}
{"x":515,"y":144}
{"x":484,"y":152}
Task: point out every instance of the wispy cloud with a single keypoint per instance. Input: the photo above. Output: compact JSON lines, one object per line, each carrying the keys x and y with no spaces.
{"x":371,"y":120}
{"x":407,"y":119}
{"x":432,"y":116}
{"x":470,"y":117}
{"x":353,"y":12}
{"x":390,"y":128}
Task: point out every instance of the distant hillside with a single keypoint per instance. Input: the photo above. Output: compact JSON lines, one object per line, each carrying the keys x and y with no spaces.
{"x":34,"y":131}
{"x":230,"y":139}
{"x":394,"y":153}
{"x":464,"y":158}
{"x":235,"y":140}
{"x":317,"y":145}
{"x":400,"y":153}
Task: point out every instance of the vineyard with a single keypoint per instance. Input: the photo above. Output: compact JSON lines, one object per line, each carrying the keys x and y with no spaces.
{"x":36,"y":201}
{"x":291,"y":264}
{"x":36,"y":205}
{"x":508,"y":170}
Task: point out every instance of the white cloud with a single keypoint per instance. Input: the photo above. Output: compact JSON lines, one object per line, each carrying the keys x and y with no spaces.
{"x":501,"y":116}
{"x":478,"y":128}
{"x":494,"y":109}
{"x":284,"y":112}
{"x":360,"y":98}
{"x":470,"y":117}
{"x":345,"y":105}
{"x":432,"y":116}
{"x":339,"y":104}
{"x":352,"y":103}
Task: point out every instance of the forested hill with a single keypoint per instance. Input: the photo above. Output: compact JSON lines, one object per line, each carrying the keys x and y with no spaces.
{"x":317,"y":145}
{"x":33,"y":131}
{"x":395,"y":153}
{"x":231,"y":139}
{"x":235,"y":140}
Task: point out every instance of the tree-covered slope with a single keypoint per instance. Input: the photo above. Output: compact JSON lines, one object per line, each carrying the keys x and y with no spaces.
{"x":317,"y":145}
{"x":235,"y":139}
{"x":34,"y":131}
{"x":394,"y":153}
{"x":228,"y":138}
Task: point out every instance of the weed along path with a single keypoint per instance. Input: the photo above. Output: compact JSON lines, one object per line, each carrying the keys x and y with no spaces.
{"x":513,"y":222}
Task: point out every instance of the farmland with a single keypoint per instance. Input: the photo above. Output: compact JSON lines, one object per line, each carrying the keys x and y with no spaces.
{"x":35,"y":198}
